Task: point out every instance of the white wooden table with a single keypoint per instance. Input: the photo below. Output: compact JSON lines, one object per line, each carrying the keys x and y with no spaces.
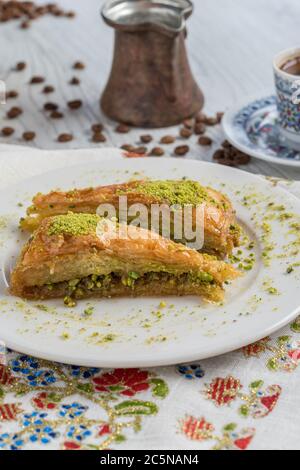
{"x":231,"y":44}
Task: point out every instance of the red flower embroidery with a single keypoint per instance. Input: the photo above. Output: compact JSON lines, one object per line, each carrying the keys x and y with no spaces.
{"x":223,"y":391}
{"x":196,"y":429}
{"x":5,"y":377}
{"x":104,"y":429}
{"x":124,"y":381}
{"x":255,"y":349}
{"x":9,"y":411}
{"x":43,"y":402}
{"x":70,"y":445}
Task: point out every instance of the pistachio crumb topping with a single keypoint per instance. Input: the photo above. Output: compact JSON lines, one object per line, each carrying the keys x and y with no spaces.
{"x":73,"y":224}
{"x":174,"y":192}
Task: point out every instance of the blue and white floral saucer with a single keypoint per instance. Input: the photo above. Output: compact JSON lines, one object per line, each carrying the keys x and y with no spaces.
{"x":253,"y":129}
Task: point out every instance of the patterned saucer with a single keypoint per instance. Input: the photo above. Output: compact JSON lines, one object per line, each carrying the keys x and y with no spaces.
{"x":253,"y":129}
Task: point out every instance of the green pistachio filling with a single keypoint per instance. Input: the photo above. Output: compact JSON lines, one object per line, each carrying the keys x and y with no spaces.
{"x":73,"y":224}
{"x":174,"y":192}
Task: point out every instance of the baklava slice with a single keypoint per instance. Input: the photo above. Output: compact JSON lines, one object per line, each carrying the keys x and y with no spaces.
{"x":221,"y":232}
{"x":77,"y":256}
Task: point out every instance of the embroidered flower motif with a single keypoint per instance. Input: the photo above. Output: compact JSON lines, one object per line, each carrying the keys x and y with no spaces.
{"x":286,"y":355}
{"x":45,"y":401}
{"x":234,"y":440}
{"x":126,"y":382}
{"x":196,"y":429}
{"x":255,"y":349}
{"x":9,"y":411}
{"x":28,"y":368}
{"x":5,"y":376}
{"x":72,"y":411}
{"x":104,"y":429}
{"x":78,"y":433}
{"x":40,"y":429}
{"x":223,"y":390}
{"x":260,"y":402}
{"x":192,"y":371}
{"x":70,"y":445}
{"x":84,"y":373}
{"x":11,"y":441}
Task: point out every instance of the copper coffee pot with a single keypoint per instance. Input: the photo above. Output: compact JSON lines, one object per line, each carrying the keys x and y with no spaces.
{"x":151,"y":83}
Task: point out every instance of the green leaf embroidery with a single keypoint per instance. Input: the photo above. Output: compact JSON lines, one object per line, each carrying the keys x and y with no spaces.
{"x":160,"y":388}
{"x":295,"y":326}
{"x":244,"y":410}
{"x":2,"y":393}
{"x":230,"y":427}
{"x":136,"y":407}
{"x":87,"y":388}
{"x":257,"y":384}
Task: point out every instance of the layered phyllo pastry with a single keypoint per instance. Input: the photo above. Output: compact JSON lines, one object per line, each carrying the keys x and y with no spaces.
{"x":220,"y":230}
{"x":78,"y":256}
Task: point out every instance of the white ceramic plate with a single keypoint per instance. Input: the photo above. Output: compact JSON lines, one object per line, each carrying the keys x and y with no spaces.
{"x":186,"y":329}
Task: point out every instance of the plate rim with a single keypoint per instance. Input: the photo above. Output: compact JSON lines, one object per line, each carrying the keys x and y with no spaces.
{"x":230,"y":134}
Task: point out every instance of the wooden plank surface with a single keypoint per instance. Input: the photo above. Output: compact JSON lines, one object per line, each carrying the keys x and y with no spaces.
{"x":231,"y":44}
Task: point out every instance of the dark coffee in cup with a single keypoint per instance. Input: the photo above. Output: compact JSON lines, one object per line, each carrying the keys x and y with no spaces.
{"x":292,"y":66}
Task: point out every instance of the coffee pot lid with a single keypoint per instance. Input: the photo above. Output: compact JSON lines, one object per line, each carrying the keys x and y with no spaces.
{"x":168,"y":16}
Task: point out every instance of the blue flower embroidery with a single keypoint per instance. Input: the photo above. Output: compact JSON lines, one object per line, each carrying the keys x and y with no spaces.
{"x":29,"y":368}
{"x":84,"y":373}
{"x":40,"y":430}
{"x":72,"y":411}
{"x":191,"y":371}
{"x":79,"y":433}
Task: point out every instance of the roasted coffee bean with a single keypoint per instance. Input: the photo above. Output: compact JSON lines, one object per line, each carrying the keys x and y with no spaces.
{"x":65,"y":137}
{"x":146,"y":138}
{"x":7,"y":131}
{"x":98,"y":137}
{"x":78,"y":65}
{"x":50,"y":106}
{"x":211,"y":121}
{"x":230,"y":156}
{"x":70,"y":14}
{"x":205,"y":140}
{"x":48,"y":89}
{"x":11,"y":94}
{"x":157,"y":152}
{"x":127,"y":147}
{"x":167,"y":139}
{"x":29,"y":135}
{"x":37,"y":79}
{"x":56,"y":115}
{"x":27,"y":10}
{"x":98,"y":127}
{"x":188,"y":123}
{"x":75,"y":104}
{"x":185,"y":133}
{"x":14,"y":112}
{"x":199,"y":128}
{"x":20,"y":66}
{"x":139,"y":150}
{"x":74,"y":81}
{"x":122,"y":128}
{"x":181,"y":150}
{"x":25,"y":24}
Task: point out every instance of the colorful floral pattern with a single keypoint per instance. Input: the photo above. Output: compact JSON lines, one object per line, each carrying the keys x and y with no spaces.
{"x":191,"y":371}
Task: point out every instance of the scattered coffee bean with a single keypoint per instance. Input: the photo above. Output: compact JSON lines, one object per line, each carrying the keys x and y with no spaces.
{"x":50,"y":106}
{"x":146,"y":138}
{"x":201,"y":117}
{"x":75,"y":104}
{"x":98,"y":127}
{"x":186,"y":133}
{"x":139,"y":150}
{"x":11,"y":94}
{"x":65,"y":137}
{"x":14,"y":112}
{"x":199,"y":128}
{"x":25,"y":24}
{"x":28,"y":136}
{"x":48,"y":89}
{"x":167,"y":139}
{"x":181,"y":150}
{"x":127,"y":147}
{"x":205,"y":140}
{"x":56,"y":115}
{"x":78,"y":65}
{"x":122,"y":128}
{"x":211,"y":121}
{"x":74,"y":81}
{"x":20,"y":66}
{"x":188,"y":123}
{"x":230,"y":156}
{"x":26,"y":11}
{"x":98,"y":137}
{"x":7,"y":131}
{"x":157,"y":152}
{"x":36,"y":80}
